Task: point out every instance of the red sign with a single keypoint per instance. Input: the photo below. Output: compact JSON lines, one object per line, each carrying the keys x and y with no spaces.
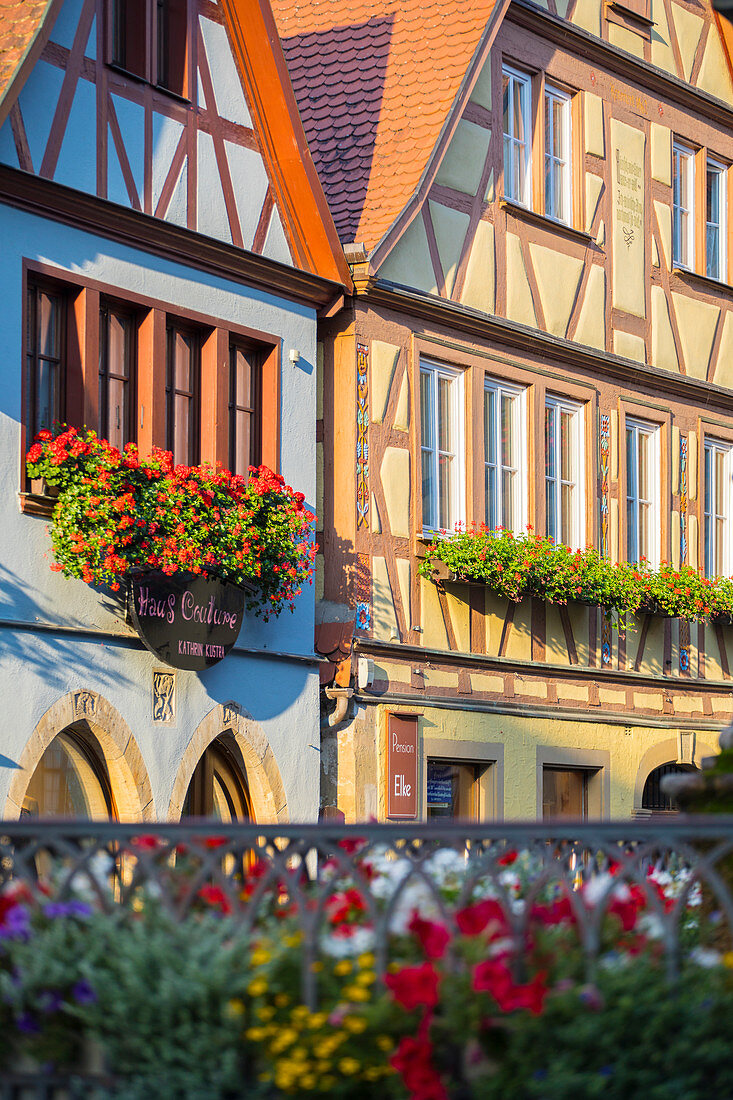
{"x":402,"y":767}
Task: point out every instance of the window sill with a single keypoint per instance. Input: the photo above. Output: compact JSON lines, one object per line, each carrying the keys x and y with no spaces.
{"x":37,"y":504}
{"x":144,"y":81}
{"x":523,"y":212}
{"x":707,"y":281}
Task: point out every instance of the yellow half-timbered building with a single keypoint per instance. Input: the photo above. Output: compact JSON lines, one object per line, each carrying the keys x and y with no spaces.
{"x":534,"y":199}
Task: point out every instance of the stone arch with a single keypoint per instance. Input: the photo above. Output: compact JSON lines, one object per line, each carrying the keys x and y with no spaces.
{"x":663,"y":753}
{"x":118,"y":748}
{"x":263,"y":775}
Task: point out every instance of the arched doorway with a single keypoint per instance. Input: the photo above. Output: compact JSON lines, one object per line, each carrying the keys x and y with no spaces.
{"x":71,"y":780}
{"x":218,"y":788}
{"x":653,"y":799}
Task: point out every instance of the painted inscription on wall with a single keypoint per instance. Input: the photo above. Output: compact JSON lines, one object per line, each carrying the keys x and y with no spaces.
{"x":627,"y":179}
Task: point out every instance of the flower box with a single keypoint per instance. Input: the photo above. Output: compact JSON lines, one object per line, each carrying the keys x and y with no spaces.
{"x":118,"y":512}
{"x":41,"y":488}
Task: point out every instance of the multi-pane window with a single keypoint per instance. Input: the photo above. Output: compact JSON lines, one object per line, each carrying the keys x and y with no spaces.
{"x":642,"y":491}
{"x":718,"y":489}
{"x":116,"y":371}
{"x":148,"y":39}
{"x":244,"y":409}
{"x":516,"y":99}
{"x":505,"y":454}
{"x":564,"y":471}
{"x":683,"y":206}
{"x":441,"y":446}
{"x":558,"y":157}
{"x":45,"y":360}
{"x":183,"y":376}
{"x":715,"y":220}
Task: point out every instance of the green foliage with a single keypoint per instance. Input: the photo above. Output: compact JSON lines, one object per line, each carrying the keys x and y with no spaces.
{"x":530,"y":565}
{"x":629,"y":1036}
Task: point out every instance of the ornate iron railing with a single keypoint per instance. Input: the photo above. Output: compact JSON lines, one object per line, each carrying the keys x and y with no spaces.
{"x":674,"y":864}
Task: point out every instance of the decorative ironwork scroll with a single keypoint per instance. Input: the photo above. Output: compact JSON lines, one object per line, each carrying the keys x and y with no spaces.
{"x":362,"y":435}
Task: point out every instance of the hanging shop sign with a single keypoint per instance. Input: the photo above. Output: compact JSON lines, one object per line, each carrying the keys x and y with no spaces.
{"x":189,"y":622}
{"x":402,"y":767}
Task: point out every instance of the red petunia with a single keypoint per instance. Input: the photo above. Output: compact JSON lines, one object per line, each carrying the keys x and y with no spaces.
{"x":433,"y":937}
{"x":414,"y":986}
{"x":475,"y":918}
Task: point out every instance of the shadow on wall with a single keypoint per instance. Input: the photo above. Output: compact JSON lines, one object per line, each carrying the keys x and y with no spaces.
{"x":45,"y":652}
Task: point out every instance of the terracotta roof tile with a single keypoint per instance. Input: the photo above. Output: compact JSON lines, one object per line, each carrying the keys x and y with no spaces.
{"x":20,"y":21}
{"x":375,"y":80}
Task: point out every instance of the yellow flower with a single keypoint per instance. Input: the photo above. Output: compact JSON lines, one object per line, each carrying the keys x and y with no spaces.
{"x":367,"y":977}
{"x":299,"y":1013}
{"x":235,"y":1008}
{"x":328,"y":1082}
{"x":307,"y":1081}
{"x":342,"y":967}
{"x":316,"y":967}
{"x":349,"y":1066}
{"x":385,"y":1043}
{"x":257,"y":987}
{"x":317,"y":1020}
{"x":366,"y":961}
{"x":728,"y":959}
{"x":356,"y":993}
{"x":373,"y":1073}
{"x":259,"y":957}
{"x":283,"y":1039}
{"x":355,"y":1024}
{"x":299,"y":1055}
{"x":265,"y":1012}
{"x":256,"y":1034}
{"x":293,"y":940}
{"x":281,"y":1000}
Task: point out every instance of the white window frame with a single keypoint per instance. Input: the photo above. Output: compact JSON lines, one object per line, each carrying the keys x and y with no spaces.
{"x":683,"y":240}
{"x":651,"y":430}
{"x":714,"y":568}
{"x":720,"y":170}
{"x":565,"y":161}
{"x":518,"y":394}
{"x":458,"y":482}
{"x":511,"y":186}
{"x":558,"y":405}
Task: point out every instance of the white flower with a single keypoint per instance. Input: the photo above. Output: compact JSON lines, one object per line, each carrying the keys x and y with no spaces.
{"x":706,"y":957}
{"x":344,"y":947}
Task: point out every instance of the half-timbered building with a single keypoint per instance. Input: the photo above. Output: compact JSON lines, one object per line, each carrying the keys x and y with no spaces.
{"x":534,"y":199}
{"x":166,"y":248}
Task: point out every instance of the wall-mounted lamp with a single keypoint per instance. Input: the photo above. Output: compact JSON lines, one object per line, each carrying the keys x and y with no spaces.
{"x":294,"y":355}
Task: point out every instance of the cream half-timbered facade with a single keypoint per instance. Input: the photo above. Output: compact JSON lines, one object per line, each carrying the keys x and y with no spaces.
{"x":541,"y":336}
{"x":166,"y":249}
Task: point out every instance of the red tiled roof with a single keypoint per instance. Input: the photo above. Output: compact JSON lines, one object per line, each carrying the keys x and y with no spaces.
{"x":334,"y":640}
{"x":20,"y":22}
{"x":375,"y":81}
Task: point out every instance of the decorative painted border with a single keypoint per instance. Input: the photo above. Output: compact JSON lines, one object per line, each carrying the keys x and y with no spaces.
{"x":606,"y":638}
{"x":605,"y":443}
{"x":363,"y":592}
{"x":362,"y":435}
{"x":684,"y":654}
{"x":683,"y":499}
